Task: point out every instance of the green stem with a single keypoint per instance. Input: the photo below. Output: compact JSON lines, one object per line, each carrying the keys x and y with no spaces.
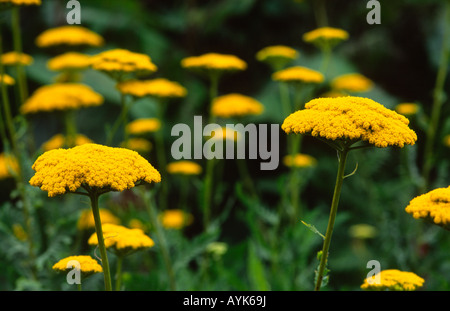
{"x":207,"y":184}
{"x":17,"y":42}
{"x":70,"y":127}
{"x":122,"y":119}
{"x":248,"y":182}
{"x":321,"y":13}
{"x":334,"y":207}
{"x":119,"y":272}
{"x":161,"y":155}
{"x":326,"y":59}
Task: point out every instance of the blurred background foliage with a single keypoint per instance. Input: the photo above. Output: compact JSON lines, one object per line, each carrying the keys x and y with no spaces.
{"x":263,"y":252}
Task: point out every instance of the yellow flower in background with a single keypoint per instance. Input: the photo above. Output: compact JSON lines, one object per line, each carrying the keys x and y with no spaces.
{"x":224,"y":133}
{"x":13,"y":58}
{"x":69,"y":35}
{"x":235,"y":105}
{"x":60,"y":141}
{"x":351,"y":118}
{"x":7,"y":79}
{"x":433,"y":206}
{"x":143,"y":126}
{"x":86,"y":220}
{"x":19,"y":232}
{"x":277,"y":55}
{"x":137,"y":224}
{"x":159,"y":87}
{"x":325,"y":36}
{"x":22,"y":2}
{"x":215,"y":62}
{"x":87,"y":265}
{"x":184,"y":167}
{"x":299,"y":160}
{"x":69,"y":61}
{"x":137,"y":144}
{"x":175,"y":219}
{"x":61,"y":96}
{"x":407,"y":109}
{"x":394,"y":280}
{"x":123,"y":240}
{"x":362,"y":231}
{"x":352,"y":82}
{"x":298,"y":74}
{"x":8,"y":166}
{"x":334,"y":93}
{"x":90,"y":165}
{"x":447,"y":140}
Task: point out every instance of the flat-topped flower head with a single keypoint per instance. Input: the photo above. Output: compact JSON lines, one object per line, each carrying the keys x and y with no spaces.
{"x":117,"y":62}
{"x":325,"y":36}
{"x":61,"y":96}
{"x":160,"y":87}
{"x":407,"y":109}
{"x":175,"y":219}
{"x":61,"y":141}
{"x":87,"y":221}
{"x":85,"y":263}
{"x":93,"y":167}
{"x":299,"y":160}
{"x":69,"y":35}
{"x":138,"y":144}
{"x":214,"y":62}
{"x":69,"y":61}
{"x":351,"y":119}
{"x":393,"y":280}
{"x":277,"y":56}
{"x":433,"y":206}
{"x":352,"y":82}
{"x":184,"y":167}
{"x":14,"y":58}
{"x":122,"y":240}
{"x":143,"y":126}
{"x":8,"y":166}
{"x":21,"y":2}
{"x":7,"y":80}
{"x":235,"y":105}
{"x":298,"y":74}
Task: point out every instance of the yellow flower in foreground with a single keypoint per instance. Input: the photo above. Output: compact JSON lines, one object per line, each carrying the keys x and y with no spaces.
{"x":61,"y":96}
{"x":85,"y":263}
{"x":22,"y":2}
{"x":184,"y":168}
{"x":86,"y":220}
{"x":352,"y":82}
{"x":394,"y":280}
{"x":143,"y":126}
{"x":298,"y":74}
{"x":175,"y":219}
{"x":60,"y":141}
{"x":299,"y":160}
{"x":13,"y":58}
{"x":277,"y":55}
{"x":215,"y":62}
{"x":137,"y":144}
{"x":156,"y":87}
{"x":325,"y":36}
{"x":7,"y":79}
{"x":70,"y":35}
{"x":407,"y":109}
{"x":433,"y":206}
{"x":235,"y":105}
{"x":351,"y":118}
{"x":91,"y":166}
{"x":122,"y":240}
{"x":8,"y":165}
{"x":69,"y":61}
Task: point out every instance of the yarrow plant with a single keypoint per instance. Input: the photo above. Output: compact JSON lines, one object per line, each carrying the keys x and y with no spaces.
{"x":393,"y":280}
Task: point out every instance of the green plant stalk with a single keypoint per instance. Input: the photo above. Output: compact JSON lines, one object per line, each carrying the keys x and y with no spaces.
{"x":70,"y":128}
{"x":122,"y":119}
{"x":320,"y":13}
{"x":101,"y":242}
{"x":334,"y":207}
{"x":161,"y":155}
{"x":17,"y":42}
{"x":119,"y":272}
{"x":245,"y":175}
{"x":326,"y":59}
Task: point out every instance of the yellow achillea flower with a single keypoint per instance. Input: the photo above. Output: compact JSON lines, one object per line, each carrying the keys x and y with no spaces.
{"x":143,"y":126}
{"x":277,"y":55}
{"x":87,"y":265}
{"x":70,"y":35}
{"x":61,"y":96}
{"x":184,"y":168}
{"x":13,"y":58}
{"x":86,"y":220}
{"x":137,"y":144}
{"x":69,"y":61}
{"x":351,"y":118}
{"x":215,"y":62}
{"x":433,"y":206}
{"x":19,"y":232}
{"x":299,"y":160}
{"x":352,"y":82}
{"x":394,"y":280}
{"x":22,"y":2}
{"x":224,"y":133}
{"x":91,"y":166}
{"x":159,"y":87}
{"x":362,"y":231}
{"x":8,"y":165}
{"x":120,"y":61}
{"x":60,"y":141}
{"x":175,"y":219}
{"x":122,"y":240}
{"x":235,"y":105}
{"x":325,"y":36}
{"x":334,"y":93}
{"x":7,"y":79}
{"x":298,"y":74}
{"x":407,"y":109}
{"x":447,"y":140}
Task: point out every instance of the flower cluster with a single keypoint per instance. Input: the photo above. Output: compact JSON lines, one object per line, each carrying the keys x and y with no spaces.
{"x":407,"y":109}
{"x":184,"y":168}
{"x":70,"y":35}
{"x":143,"y":126}
{"x":299,"y":160}
{"x":138,"y":144}
{"x":298,"y":74}
{"x":61,"y":141}
{"x":214,"y":61}
{"x":351,"y":118}
{"x":159,"y":87}
{"x":22,"y":2}
{"x":8,"y":165}
{"x":94,"y":166}
{"x":175,"y":219}
{"x":235,"y":105}
{"x":69,"y":61}
{"x":277,"y":55}
{"x":7,"y":79}
{"x":13,"y":58}
{"x":87,"y":265}
{"x":325,"y":36}
{"x":394,"y":280}
{"x":351,"y":82}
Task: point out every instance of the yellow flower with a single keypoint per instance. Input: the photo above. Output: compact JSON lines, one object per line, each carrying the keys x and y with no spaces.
{"x":137,"y":144}
{"x":143,"y":126}
{"x":334,"y":93}
{"x":325,"y":36}
{"x":90,"y":165}
{"x":298,"y":74}
{"x":7,"y":79}
{"x":61,"y":96}
{"x":69,"y":61}
{"x":447,"y":140}
{"x":13,"y":58}
{"x":362,"y":231}
{"x":184,"y":168}
{"x":235,"y":105}
{"x":121,"y":61}
{"x":407,"y":109}
{"x":224,"y":133}
{"x":137,"y":224}
{"x":175,"y":219}
{"x":214,"y":62}
{"x":156,"y":87}
{"x":299,"y":160}
{"x":8,"y":166}
{"x":86,"y":220}
{"x":60,"y":141}
{"x":22,"y":2}
{"x":352,"y":82}
{"x":70,"y":35}
{"x":19,"y":232}
{"x":122,"y":240}
{"x":85,"y":263}
{"x":277,"y":55}
{"x":394,"y":280}
{"x":351,"y":118}
{"x":433,"y":206}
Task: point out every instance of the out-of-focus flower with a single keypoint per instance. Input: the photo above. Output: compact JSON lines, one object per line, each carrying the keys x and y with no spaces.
{"x":60,"y":141}
{"x":21,"y":2}
{"x":184,"y":168}
{"x":8,"y":166}
{"x":86,"y":220}
{"x":69,"y":61}
{"x":277,"y":56}
{"x":175,"y":219}
{"x":140,"y":145}
{"x":7,"y":79}
{"x":69,"y":35}
{"x":325,"y":36}
{"x":407,"y":109}
{"x":235,"y":105}
{"x":298,"y":74}
{"x":362,"y":231}
{"x":143,"y":126}
{"x":214,"y":62}
{"x":14,"y":58}
{"x":299,"y":160}
{"x":159,"y":87}
{"x":352,"y":82}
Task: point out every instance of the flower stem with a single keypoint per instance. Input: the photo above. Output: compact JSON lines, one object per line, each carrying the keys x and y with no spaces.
{"x":71,"y":129}
{"x":119,"y":272}
{"x":17,"y":42}
{"x":122,"y":119}
{"x":161,"y":154}
{"x":334,"y":206}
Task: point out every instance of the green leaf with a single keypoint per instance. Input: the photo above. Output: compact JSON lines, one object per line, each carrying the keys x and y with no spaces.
{"x":313,"y":229}
{"x":255,"y":270}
